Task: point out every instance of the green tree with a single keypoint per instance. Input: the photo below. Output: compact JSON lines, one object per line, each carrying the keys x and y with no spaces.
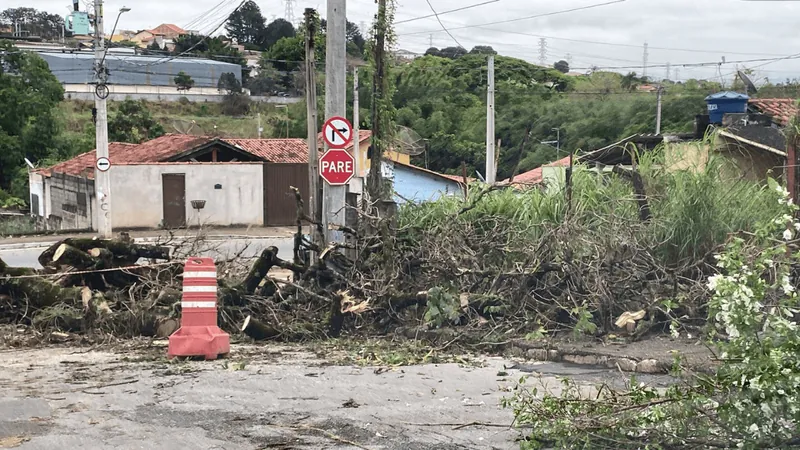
{"x":229,"y":83}
{"x":275,"y":31}
{"x":28,"y":95}
{"x":452,"y":52}
{"x":483,"y":50}
{"x":246,"y":24}
{"x":133,"y":123}
{"x":561,"y":66}
{"x":183,"y":81}
{"x":355,"y":40}
{"x":36,"y":23}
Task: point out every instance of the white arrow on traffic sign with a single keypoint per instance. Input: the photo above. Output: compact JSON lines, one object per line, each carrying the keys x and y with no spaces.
{"x":337,"y":132}
{"x":103,"y":164}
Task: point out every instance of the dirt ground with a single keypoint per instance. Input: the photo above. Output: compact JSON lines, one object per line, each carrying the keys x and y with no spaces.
{"x":261,"y":397}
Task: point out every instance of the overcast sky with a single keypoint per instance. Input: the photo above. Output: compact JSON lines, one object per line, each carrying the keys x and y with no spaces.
{"x":711,"y":29}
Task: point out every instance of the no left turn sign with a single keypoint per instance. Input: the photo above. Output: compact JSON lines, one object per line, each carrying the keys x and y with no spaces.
{"x":103,"y":164}
{"x":337,"y":132}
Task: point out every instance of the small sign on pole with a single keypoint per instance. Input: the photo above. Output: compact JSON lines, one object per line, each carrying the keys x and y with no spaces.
{"x":337,"y":167}
{"x":103,"y":164}
{"x":337,"y":132}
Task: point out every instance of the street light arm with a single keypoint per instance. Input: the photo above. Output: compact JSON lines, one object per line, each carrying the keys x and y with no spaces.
{"x":113,"y":30}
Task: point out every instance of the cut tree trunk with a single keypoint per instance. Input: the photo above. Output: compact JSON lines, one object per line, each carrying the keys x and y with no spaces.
{"x":257,"y":330}
{"x":67,"y":255}
{"x":124,"y":252}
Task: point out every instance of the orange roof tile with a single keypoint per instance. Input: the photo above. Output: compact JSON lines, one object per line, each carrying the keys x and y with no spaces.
{"x":168,"y":29}
{"x":780,"y":109}
{"x":274,"y":150}
{"x":156,"y":150}
{"x":535,"y":176}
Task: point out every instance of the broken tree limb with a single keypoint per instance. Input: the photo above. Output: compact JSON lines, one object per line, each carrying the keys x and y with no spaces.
{"x":14,"y":271}
{"x":638,"y":188}
{"x":257,"y":330}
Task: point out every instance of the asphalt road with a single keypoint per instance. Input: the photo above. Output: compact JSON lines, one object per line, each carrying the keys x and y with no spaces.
{"x":263,"y":396}
{"x":218,"y":249}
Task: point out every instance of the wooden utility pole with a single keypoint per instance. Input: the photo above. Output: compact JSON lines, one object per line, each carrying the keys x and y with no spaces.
{"x":491,"y":168}
{"x":333,"y":200}
{"x":314,"y":191}
{"x":374,"y":182}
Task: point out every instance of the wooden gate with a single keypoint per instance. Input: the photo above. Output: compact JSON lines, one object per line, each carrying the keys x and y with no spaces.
{"x":280,"y":208}
{"x":173,"y":187}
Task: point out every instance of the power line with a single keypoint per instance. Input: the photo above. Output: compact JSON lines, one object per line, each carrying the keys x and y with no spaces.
{"x":446,"y":12}
{"x":443,"y":27}
{"x":580,"y":8}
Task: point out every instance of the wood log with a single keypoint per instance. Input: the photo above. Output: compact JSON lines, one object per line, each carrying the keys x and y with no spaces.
{"x":258,"y":330}
{"x":125,"y":253}
{"x":70,"y":256}
{"x":5,"y":269}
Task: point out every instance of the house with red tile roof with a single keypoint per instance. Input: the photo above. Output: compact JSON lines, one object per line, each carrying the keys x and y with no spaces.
{"x":239,"y":182}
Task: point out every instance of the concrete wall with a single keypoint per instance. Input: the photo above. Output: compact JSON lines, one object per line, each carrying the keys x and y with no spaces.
{"x":419,"y":186}
{"x":138,"y":201}
{"x":36,"y":186}
{"x":70,"y":199}
{"x":119,"y":93}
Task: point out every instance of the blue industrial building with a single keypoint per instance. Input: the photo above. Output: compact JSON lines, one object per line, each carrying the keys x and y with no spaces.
{"x":131,"y":70}
{"x":415,"y":184}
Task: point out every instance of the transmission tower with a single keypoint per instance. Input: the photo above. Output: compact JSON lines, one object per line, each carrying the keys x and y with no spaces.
{"x":644,"y":61}
{"x":677,"y":74}
{"x":289,"y":12}
{"x":569,"y":59}
{"x":669,"y":71}
{"x":542,"y":52}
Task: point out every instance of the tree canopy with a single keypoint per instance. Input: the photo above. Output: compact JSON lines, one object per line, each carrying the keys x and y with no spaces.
{"x":37,"y":23}
{"x":133,"y":123}
{"x":246,"y":24}
{"x":28,"y":95}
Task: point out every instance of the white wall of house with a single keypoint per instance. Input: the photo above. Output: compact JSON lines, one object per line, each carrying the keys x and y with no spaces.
{"x":36,"y":183}
{"x":137,"y":200}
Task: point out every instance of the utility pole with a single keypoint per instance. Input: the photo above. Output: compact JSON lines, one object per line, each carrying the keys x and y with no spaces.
{"x":490,"y":135}
{"x":314,"y":191}
{"x":259,"y":126}
{"x":658,"y":109}
{"x":374,"y":179}
{"x":645,"y":55}
{"x":102,"y":179}
{"x":356,"y":128}
{"x":335,"y":105}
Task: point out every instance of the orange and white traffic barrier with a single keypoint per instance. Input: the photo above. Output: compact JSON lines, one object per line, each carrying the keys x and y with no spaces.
{"x":199,"y":334}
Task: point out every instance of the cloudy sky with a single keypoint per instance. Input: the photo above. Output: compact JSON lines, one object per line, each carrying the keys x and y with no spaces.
{"x":682,"y":33}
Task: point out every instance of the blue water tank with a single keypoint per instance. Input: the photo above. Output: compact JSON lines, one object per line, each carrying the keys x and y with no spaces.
{"x":726,"y":102}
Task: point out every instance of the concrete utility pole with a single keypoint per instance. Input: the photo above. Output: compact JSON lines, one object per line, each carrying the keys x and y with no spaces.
{"x":314,"y":191}
{"x":333,"y":201}
{"x":102,"y":179}
{"x":356,"y":128}
{"x":491,"y":170}
{"x":658,"y":109}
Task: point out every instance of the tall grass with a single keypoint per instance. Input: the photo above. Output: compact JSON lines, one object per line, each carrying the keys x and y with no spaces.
{"x":693,"y":211}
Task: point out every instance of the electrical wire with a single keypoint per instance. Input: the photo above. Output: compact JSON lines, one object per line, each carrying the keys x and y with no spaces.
{"x":463,"y":8}
{"x":580,"y":8}
{"x":443,"y":27}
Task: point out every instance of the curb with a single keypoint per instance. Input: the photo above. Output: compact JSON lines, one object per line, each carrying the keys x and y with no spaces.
{"x":552,"y":352}
{"x":146,"y":240}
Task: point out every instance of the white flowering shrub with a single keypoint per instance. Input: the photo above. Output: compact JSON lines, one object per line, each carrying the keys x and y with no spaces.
{"x":753,"y":400}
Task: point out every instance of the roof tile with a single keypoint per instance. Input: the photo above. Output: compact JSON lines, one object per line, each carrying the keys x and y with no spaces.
{"x":275,"y":150}
{"x":155,"y":150}
{"x":780,"y":109}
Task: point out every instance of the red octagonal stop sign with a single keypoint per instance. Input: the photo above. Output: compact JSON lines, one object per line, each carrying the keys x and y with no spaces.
{"x":337,"y":166}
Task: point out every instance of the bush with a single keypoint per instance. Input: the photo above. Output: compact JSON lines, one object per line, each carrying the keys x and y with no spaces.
{"x":236,"y":105}
{"x":750,"y":402}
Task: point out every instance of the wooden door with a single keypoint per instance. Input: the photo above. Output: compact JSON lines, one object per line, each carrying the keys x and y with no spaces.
{"x":280,"y":208}
{"x":174,"y":197}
